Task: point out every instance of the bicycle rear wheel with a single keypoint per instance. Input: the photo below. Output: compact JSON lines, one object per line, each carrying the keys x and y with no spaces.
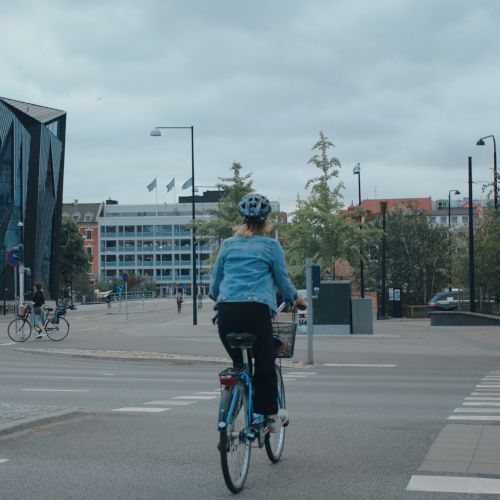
{"x":57,"y":331}
{"x":234,"y":445}
{"x":275,"y":441}
{"x":19,"y":330}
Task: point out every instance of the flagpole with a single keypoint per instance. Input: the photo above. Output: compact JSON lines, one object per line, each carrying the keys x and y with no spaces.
{"x":156,"y":191}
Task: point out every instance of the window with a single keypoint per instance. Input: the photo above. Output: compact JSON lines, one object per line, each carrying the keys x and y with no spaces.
{"x":443,"y":220}
{"x":465,"y":219}
{"x":88,"y":217}
{"x":110,"y":230}
{"x":88,"y":234}
{"x":433,"y":220}
{"x":454,"y":219}
{"x":76,"y":217}
{"x":89,"y":250}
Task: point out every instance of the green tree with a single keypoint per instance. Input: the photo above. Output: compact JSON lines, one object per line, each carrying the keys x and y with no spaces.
{"x":74,"y":259}
{"x":486,"y":257}
{"x":317,"y":229}
{"x":416,"y":255}
{"x":226,"y":216}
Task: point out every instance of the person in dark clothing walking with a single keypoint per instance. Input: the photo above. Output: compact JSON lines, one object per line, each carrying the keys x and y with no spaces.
{"x":38,"y":301}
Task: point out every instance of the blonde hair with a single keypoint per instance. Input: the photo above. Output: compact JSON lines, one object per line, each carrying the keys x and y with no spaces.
{"x":249,"y":229}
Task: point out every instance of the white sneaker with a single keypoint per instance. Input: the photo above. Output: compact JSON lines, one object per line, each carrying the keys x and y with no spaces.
{"x":41,"y":335}
{"x":282,"y":420}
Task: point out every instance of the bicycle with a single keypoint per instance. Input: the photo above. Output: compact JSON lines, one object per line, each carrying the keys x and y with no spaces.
{"x":239,"y":427}
{"x":56,"y":326}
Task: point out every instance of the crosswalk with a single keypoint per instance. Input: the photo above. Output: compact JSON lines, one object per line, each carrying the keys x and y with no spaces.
{"x":162,"y":405}
{"x":483,"y":404}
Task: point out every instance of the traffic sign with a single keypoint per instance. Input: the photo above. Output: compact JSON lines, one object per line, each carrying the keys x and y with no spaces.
{"x":125,"y":276}
{"x":13,"y":257}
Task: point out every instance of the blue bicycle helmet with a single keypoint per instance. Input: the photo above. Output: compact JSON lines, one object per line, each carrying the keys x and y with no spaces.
{"x":254,"y":207}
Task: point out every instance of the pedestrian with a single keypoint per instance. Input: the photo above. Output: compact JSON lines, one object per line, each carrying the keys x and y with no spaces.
{"x":38,"y":301}
{"x":180,"y":300}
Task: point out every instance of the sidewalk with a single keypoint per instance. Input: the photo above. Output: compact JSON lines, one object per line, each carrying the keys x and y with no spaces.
{"x":16,"y":417}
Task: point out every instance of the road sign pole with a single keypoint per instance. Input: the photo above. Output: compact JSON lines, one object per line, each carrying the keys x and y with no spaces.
{"x":310,"y":325}
{"x":15,"y":290}
{"x":21,"y":283}
{"x":126,"y":299}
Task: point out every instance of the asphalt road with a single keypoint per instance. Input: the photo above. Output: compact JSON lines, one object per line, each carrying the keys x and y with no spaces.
{"x":356,"y":432}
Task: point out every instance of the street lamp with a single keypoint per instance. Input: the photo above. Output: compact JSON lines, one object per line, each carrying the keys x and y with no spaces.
{"x":480,"y":142}
{"x":156,"y":132}
{"x":357,"y":171}
{"x":454,"y":191}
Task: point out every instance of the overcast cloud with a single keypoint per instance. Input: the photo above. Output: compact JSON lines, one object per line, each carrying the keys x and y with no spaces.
{"x":405,"y":87}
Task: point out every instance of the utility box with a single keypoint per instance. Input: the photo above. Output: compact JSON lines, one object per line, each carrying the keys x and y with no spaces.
{"x":332,"y":308}
{"x":362,"y":316}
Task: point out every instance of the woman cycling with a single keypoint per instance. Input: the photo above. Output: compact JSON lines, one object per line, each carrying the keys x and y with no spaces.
{"x":249,"y":268}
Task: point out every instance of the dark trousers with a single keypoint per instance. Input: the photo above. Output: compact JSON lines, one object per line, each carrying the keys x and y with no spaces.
{"x":252,"y":317}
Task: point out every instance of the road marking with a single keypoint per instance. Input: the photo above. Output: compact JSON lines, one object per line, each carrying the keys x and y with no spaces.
{"x":201,"y":398}
{"x":360,"y":365}
{"x":9,"y":343}
{"x":497,"y":386}
{"x":479,"y":403}
{"x":455,"y":484}
{"x":3,"y":460}
{"x":56,"y":390}
{"x":476,"y":410}
{"x":170,"y":402}
{"x":489,"y":418}
{"x":485,"y":393}
{"x":217,"y":393}
{"x":288,"y":379}
{"x":300,"y":374}
{"x":108,"y":374}
{"x":481,"y":398}
{"x":141,"y":409}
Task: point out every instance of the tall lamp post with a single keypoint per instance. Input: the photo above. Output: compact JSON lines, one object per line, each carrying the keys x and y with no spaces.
{"x":156,"y":132}
{"x":357,"y":171}
{"x":480,"y":142}
{"x":454,"y":191}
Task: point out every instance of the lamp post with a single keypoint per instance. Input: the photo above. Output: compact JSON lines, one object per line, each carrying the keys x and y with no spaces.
{"x":454,"y":191}
{"x":156,"y":132}
{"x":383,"y":208}
{"x":472,"y":281}
{"x":357,"y":171}
{"x":480,"y":142}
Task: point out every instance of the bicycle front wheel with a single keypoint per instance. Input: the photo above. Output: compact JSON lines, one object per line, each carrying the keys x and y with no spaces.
{"x":275,"y":441}
{"x":234,"y":445}
{"x":57,"y":331}
{"x":19,"y":330}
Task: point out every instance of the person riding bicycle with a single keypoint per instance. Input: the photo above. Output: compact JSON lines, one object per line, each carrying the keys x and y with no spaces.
{"x":38,"y":301}
{"x":248,"y":269}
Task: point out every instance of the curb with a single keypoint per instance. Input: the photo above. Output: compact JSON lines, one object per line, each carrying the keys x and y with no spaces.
{"x":157,"y":357}
{"x":30,"y":422}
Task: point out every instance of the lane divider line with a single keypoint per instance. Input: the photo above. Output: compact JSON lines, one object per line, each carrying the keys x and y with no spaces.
{"x":55,"y":390}
{"x":3,"y":460}
{"x":476,"y":410}
{"x":478,"y":403}
{"x":360,"y":365}
{"x":488,"y":418}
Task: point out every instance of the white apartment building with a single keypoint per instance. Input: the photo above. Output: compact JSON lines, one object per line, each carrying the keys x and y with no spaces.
{"x":155,"y":242}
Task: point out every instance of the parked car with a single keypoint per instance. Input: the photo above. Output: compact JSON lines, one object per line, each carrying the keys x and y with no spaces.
{"x":447,"y":301}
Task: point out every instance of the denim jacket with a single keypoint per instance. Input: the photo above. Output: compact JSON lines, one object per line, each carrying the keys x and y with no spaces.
{"x":249,"y":269}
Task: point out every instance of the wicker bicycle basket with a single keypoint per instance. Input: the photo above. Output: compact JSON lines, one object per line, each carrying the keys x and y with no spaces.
{"x":284,"y":339}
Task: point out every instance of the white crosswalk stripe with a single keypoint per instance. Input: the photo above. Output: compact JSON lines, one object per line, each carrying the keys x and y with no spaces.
{"x":140,"y":409}
{"x":488,"y":418}
{"x":195,"y":397}
{"x":170,"y":402}
{"x":3,"y":460}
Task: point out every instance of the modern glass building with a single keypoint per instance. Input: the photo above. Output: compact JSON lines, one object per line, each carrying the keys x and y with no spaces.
{"x":32,"y":143}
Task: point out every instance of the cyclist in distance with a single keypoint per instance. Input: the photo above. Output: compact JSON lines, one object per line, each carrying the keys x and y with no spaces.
{"x":248,"y":269}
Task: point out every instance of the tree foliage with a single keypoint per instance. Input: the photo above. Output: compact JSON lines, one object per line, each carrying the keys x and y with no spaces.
{"x":417,"y":259}
{"x":74,"y":258}
{"x":226,"y":216}
{"x":317,"y":229}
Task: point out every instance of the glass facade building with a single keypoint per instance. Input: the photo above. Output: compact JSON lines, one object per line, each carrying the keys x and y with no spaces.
{"x":155,"y":243}
{"x":32,"y":143}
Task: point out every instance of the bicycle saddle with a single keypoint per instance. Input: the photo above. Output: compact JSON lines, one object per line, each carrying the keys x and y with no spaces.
{"x":48,"y":308}
{"x":241,"y":340}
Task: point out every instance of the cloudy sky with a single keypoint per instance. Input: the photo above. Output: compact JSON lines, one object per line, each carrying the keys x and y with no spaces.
{"x":405,"y":87}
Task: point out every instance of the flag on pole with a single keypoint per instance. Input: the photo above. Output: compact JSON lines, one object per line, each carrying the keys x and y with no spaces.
{"x":188,"y":183}
{"x":171,"y":185}
{"x":151,"y":185}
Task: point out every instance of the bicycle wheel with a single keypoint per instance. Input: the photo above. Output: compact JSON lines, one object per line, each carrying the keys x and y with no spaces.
{"x":275,"y":441}
{"x":234,"y":446}
{"x":57,"y":331}
{"x":19,"y":330}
